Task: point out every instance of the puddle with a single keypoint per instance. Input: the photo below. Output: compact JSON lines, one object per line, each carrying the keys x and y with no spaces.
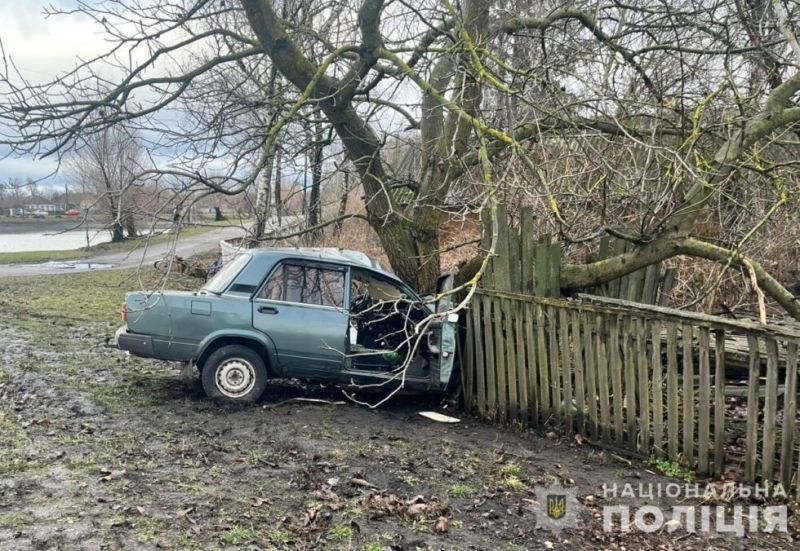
{"x":69,"y":266}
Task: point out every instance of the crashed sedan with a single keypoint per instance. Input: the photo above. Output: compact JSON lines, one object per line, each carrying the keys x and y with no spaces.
{"x":317,"y":314}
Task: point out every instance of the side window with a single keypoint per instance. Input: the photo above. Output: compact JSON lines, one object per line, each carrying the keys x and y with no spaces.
{"x":307,"y":285}
{"x":273,"y":290}
{"x":332,"y":287}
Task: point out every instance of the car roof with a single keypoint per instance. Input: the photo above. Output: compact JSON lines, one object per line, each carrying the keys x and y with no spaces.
{"x":329,"y":254}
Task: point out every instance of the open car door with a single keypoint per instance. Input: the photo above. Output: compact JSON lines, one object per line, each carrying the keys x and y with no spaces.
{"x":442,"y":336}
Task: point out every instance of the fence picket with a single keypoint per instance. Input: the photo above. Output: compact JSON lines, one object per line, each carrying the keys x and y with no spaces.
{"x":480,"y":366}
{"x":688,"y":395}
{"x":511,"y":362}
{"x":542,"y":365}
{"x":673,"y":411}
{"x":644,"y":386}
{"x":578,"y":347}
{"x":658,"y":383}
{"x":603,"y":377}
{"x":789,"y":414}
{"x":566,"y":368}
{"x":751,"y":439}
{"x":703,"y":421}
{"x":592,"y":396}
{"x":533,"y":377}
{"x":615,"y":365}
{"x":500,"y":361}
{"x":629,"y":367}
{"x":522,"y":363}
{"x":719,"y":403}
{"x":491,"y":366}
{"x":770,"y":412}
{"x":555,"y":368}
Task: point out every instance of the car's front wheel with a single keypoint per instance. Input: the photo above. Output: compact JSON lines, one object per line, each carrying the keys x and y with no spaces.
{"x":234,"y":373}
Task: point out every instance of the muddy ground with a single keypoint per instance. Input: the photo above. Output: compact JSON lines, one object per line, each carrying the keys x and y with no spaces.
{"x":99,"y":450}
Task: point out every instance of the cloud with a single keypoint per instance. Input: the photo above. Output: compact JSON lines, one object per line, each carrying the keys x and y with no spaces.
{"x":43,"y":48}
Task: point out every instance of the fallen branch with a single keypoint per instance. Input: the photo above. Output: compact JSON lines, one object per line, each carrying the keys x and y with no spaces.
{"x":762,"y":309}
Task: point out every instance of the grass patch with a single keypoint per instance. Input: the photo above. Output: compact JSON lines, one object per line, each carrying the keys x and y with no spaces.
{"x":340,"y":532}
{"x":460,"y":490}
{"x":87,"y":297}
{"x":238,"y":535}
{"x":279,"y":538}
{"x":512,"y":469}
{"x":672,"y":469}
{"x":514,"y":484}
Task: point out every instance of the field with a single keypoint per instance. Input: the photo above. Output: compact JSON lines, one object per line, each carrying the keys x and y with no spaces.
{"x":99,"y":450}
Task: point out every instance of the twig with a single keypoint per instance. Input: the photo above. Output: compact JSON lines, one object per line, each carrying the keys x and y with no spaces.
{"x":762,"y":309}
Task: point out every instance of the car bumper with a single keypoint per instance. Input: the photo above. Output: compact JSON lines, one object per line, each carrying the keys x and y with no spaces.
{"x":138,"y":345}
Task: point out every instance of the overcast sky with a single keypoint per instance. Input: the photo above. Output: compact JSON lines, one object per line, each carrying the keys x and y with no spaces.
{"x":41,"y":48}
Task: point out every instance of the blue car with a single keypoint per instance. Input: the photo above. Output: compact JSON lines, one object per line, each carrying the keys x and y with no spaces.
{"x":318,"y":314}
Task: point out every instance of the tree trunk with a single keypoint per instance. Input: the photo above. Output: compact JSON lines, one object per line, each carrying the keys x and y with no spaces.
{"x":218,"y":214}
{"x":337,"y":227}
{"x":262,"y":201}
{"x":575,"y":276}
{"x":314,"y":207}
{"x":117,"y":234}
{"x":130,"y":226}
{"x":278,"y":182}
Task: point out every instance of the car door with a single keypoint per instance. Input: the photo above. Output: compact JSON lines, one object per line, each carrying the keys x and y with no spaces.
{"x":442,"y":336}
{"x":301,"y":308}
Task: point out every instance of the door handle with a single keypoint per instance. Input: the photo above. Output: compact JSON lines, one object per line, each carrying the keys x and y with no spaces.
{"x":267,"y":310}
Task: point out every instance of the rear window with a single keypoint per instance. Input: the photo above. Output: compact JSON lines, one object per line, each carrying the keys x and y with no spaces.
{"x":227,"y":274}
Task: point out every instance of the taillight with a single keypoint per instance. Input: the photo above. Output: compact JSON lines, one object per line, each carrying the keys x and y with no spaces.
{"x":124,"y":312}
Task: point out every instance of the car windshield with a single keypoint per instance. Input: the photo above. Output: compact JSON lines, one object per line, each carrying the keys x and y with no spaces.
{"x":226,"y":275}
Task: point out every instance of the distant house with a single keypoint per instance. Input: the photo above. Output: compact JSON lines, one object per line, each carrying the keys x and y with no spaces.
{"x":12,"y":207}
{"x":37,"y":203}
{"x":34,"y":204}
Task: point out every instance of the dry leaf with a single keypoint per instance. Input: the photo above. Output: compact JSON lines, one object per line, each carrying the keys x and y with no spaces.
{"x":442,"y":525}
{"x":418,"y":509}
{"x":184,"y":512}
{"x":256,"y":502}
{"x":361,"y":482}
{"x":141,"y":510}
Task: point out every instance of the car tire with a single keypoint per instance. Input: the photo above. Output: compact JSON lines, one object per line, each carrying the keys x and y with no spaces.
{"x":234,"y":374}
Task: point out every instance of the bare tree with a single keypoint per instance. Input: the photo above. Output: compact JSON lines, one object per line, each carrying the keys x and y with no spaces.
{"x":105,"y":164}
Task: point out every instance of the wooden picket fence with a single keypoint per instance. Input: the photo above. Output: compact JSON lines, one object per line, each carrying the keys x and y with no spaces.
{"x":620,"y":368}
{"x":642,"y":379}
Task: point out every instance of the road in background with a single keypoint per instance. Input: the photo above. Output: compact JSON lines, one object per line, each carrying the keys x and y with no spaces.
{"x":185,"y":247}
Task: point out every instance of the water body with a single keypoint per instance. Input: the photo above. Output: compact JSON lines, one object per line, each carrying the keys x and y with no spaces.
{"x":47,"y":235}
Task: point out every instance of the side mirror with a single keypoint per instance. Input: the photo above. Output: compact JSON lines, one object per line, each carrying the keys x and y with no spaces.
{"x":452,"y":318}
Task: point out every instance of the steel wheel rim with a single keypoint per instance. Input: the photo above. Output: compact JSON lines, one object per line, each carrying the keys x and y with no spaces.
{"x":236,"y":378}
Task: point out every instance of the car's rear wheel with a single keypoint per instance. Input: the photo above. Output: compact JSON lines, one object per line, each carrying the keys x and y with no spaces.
{"x":234,"y":373}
